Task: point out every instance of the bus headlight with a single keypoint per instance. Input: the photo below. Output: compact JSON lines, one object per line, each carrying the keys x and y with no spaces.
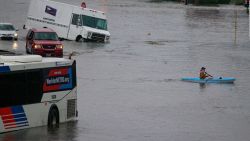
{"x":37,"y":46}
{"x":15,"y":35}
{"x":59,"y":46}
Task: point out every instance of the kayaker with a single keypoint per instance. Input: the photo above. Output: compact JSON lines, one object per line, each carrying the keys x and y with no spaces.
{"x":204,"y":74}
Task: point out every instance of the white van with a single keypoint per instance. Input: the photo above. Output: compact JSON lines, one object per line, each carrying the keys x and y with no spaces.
{"x":69,"y":21}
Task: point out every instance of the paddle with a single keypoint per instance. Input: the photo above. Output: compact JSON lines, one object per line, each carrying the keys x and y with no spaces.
{"x":208,"y":75}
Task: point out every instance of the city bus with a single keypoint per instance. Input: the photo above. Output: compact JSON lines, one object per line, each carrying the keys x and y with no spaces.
{"x":36,"y":91}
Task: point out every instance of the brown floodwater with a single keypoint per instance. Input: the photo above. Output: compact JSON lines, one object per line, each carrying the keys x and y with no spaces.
{"x":130,"y":89}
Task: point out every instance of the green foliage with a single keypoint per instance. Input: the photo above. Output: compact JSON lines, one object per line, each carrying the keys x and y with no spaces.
{"x":212,"y":2}
{"x":237,"y":2}
{"x":207,"y":2}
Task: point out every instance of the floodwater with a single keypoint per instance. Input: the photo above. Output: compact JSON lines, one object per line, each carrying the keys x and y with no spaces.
{"x":130,"y":89}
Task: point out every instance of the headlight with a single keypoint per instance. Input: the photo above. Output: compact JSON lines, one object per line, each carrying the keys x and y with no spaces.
{"x":107,"y":38}
{"x":59,"y":46}
{"x":15,"y":34}
{"x":89,"y":34}
{"x":37,"y":46}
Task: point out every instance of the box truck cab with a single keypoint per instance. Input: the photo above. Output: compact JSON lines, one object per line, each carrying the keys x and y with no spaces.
{"x":69,"y":21}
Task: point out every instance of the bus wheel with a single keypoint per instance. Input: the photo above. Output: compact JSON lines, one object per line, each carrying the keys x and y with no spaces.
{"x":79,"y":38}
{"x":53,"y":119}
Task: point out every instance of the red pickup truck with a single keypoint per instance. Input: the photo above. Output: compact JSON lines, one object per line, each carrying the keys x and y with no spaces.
{"x":44,"y":42}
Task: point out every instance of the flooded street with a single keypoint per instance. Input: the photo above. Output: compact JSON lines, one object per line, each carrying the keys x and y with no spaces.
{"x":130,"y":89}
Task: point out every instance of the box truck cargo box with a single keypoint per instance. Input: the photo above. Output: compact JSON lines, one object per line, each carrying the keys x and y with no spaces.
{"x":69,"y":21}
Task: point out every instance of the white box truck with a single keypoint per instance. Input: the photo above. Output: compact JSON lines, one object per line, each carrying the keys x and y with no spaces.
{"x":69,"y":21}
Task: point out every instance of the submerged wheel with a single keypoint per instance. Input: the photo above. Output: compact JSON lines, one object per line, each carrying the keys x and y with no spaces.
{"x":53,"y":118}
{"x":27,"y":51}
{"x":31,"y":51}
{"x":78,"y":38}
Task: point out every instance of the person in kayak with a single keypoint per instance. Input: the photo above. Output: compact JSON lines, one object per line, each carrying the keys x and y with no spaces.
{"x":204,"y":74}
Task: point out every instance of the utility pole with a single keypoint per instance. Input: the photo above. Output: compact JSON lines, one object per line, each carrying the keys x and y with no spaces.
{"x":235,"y":26}
{"x":186,"y":2}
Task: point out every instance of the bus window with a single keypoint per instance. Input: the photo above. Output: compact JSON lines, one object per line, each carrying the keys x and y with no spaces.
{"x":34,"y":86}
{"x":20,"y":88}
{"x":12,"y":89}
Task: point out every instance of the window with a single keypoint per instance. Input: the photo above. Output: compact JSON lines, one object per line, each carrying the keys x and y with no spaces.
{"x":34,"y":86}
{"x":7,"y":27}
{"x":20,"y":88}
{"x":12,"y":89}
{"x":46,"y":36}
{"x":76,"y":20}
{"x":30,"y":36}
{"x":94,"y":22}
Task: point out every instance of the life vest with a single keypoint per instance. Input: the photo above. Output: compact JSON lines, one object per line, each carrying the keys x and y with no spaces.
{"x":203,"y":74}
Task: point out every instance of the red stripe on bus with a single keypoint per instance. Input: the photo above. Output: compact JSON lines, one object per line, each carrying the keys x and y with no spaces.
{"x":5,"y":111}
{"x":7,"y":117}
{"x":58,"y":72}
{"x":9,"y":121}
{"x":50,"y":88}
{"x":9,"y":124}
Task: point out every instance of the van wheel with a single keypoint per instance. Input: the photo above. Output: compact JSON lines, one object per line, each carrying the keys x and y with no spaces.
{"x":84,"y":40}
{"x":78,"y":38}
{"x":53,"y":118}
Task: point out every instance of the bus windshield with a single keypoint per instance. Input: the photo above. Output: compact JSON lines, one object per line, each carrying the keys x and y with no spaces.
{"x":46,"y":36}
{"x":94,"y":22}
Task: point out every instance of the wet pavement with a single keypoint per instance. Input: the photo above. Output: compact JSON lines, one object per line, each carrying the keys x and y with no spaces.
{"x":130,"y":88}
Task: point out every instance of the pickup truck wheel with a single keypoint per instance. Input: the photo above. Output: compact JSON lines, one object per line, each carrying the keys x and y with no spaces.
{"x":27,"y":49}
{"x":31,"y":51}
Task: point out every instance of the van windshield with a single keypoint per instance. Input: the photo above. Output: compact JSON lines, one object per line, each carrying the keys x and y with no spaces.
{"x":7,"y":27}
{"x":46,"y":36}
{"x":94,"y":22}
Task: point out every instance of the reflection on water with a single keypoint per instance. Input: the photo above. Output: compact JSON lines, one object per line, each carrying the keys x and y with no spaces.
{"x":129,"y":89}
{"x":15,"y":45}
{"x":66,"y":132}
{"x":202,"y":85}
{"x":204,"y":14}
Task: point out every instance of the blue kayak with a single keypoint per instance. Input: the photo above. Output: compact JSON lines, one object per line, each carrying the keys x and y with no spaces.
{"x":210,"y":80}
